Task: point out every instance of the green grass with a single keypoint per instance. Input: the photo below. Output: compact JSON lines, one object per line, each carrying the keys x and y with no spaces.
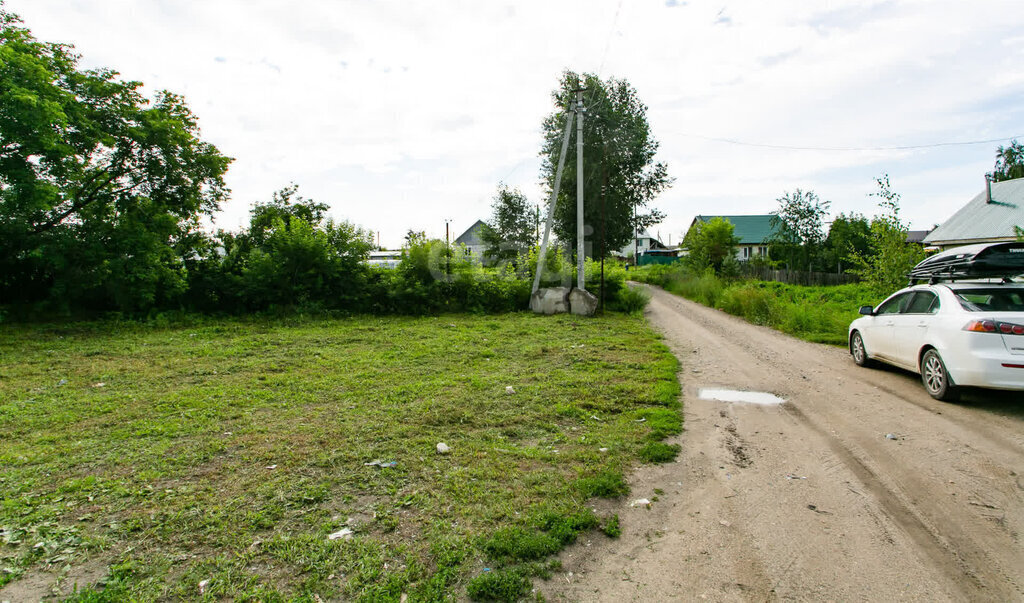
{"x":820,"y":314}
{"x":225,"y":452}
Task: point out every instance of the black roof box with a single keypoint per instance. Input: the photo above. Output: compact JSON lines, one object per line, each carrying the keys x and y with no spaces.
{"x":984,"y":260}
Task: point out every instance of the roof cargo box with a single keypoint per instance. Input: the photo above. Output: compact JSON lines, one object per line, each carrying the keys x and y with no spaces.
{"x":986,"y":260}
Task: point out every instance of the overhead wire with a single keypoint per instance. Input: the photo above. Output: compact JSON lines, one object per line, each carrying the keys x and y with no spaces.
{"x":909,"y":147}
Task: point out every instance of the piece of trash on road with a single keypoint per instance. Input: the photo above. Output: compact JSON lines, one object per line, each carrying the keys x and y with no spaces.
{"x":891,"y":436}
{"x":644,"y":420}
{"x":62,"y":382}
{"x":641,"y":502}
{"x":345,"y":533}
{"x":602,"y":450}
{"x":202,"y":586}
{"x":100,"y":384}
{"x":724,"y":523}
{"x":443,"y":448}
{"x":791,"y":476}
{"x":271,"y":467}
{"x":509,"y":389}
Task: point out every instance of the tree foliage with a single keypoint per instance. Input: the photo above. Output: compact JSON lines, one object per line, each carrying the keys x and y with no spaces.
{"x":1009,"y":162}
{"x":848,"y":234}
{"x":890,"y":258}
{"x":100,"y":187}
{"x":711,"y":244}
{"x":621,"y":176}
{"x":799,"y":231}
{"x":512,"y":229}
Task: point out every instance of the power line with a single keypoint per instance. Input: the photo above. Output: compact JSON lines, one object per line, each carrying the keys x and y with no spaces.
{"x":845,"y":149}
{"x":608,"y":40}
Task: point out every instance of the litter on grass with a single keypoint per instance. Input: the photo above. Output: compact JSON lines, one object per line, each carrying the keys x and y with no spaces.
{"x":381,"y":464}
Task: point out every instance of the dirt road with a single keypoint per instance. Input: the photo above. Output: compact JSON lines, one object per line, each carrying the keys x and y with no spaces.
{"x":810,"y":500}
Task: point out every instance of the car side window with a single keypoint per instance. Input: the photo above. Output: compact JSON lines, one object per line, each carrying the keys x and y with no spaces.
{"x":924,"y":302}
{"x":894,"y":305}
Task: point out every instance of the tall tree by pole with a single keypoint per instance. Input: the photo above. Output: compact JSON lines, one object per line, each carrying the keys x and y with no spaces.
{"x":616,"y":139}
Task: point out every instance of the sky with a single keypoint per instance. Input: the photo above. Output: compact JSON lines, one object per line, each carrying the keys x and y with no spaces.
{"x":405,"y":115}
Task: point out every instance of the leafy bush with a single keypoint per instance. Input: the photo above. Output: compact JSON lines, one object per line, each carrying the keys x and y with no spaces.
{"x":631,"y":300}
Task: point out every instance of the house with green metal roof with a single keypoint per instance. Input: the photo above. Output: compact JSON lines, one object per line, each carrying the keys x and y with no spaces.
{"x":990,"y":217}
{"x":753,"y":231}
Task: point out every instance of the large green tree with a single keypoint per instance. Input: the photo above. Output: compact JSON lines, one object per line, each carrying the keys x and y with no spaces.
{"x":512,"y":229}
{"x":100,"y":187}
{"x":848,"y":234}
{"x":1009,"y":162}
{"x":711,"y":244}
{"x":621,"y":176}
{"x":799,"y":230}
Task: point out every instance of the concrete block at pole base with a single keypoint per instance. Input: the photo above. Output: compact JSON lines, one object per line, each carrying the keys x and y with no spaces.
{"x":582,"y":302}
{"x":550,"y":300}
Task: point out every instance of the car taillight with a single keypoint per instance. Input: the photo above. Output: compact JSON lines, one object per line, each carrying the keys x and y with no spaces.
{"x":994,"y":326}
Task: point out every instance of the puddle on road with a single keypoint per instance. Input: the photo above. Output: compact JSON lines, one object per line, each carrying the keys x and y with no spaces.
{"x":732,"y":395}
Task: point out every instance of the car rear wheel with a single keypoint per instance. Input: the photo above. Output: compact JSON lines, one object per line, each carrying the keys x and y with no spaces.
{"x":936,"y":379}
{"x":858,"y":351}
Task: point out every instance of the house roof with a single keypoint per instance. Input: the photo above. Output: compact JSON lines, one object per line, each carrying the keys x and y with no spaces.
{"x":917,"y":236}
{"x":751,"y":230}
{"x":980,"y":221}
{"x":472,"y":234}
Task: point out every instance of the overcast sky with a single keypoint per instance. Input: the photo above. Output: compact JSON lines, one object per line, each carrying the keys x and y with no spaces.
{"x":400,"y":115}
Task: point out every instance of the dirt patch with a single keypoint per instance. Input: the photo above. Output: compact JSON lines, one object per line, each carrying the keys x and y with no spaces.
{"x":809,"y":499}
{"x":54,"y":584}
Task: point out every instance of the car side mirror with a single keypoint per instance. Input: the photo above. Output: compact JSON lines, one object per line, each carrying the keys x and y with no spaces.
{"x":867,"y":310}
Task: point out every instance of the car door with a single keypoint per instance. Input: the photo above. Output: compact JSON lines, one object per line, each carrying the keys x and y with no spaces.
{"x":879,"y":337}
{"x":911,"y":325}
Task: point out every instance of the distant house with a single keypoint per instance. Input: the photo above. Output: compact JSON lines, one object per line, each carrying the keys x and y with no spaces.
{"x":473,"y":240}
{"x":644,"y":242}
{"x":989,"y":217}
{"x":753,"y":231}
{"x":917,"y":236}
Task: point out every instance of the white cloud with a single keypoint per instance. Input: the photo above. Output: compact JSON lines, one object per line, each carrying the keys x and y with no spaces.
{"x":403,"y":114}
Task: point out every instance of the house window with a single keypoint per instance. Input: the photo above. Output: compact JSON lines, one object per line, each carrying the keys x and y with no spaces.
{"x":746,"y":253}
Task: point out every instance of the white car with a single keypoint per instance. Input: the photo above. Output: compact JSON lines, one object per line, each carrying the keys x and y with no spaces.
{"x":953,"y":333}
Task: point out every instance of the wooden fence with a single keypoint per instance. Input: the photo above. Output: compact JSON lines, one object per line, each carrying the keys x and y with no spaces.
{"x":798,"y":277}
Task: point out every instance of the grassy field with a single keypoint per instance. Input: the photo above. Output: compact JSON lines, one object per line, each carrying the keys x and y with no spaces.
{"x":214,"y":459}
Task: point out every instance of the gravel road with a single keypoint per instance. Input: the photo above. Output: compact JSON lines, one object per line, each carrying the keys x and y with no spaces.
{"x":858,"y":487}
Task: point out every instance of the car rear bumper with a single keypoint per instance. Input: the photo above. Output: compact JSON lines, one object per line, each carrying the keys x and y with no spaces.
{"x":1001,"y":371}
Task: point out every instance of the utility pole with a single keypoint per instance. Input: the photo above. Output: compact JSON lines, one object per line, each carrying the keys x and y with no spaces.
{"x":447,"y":249}
{"x":543,"y":254}
{"x":580,"y":255}
{"x":636,"y":240}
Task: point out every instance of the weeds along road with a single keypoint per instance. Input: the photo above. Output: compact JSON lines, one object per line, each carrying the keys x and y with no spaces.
{"x":809,"y":500}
